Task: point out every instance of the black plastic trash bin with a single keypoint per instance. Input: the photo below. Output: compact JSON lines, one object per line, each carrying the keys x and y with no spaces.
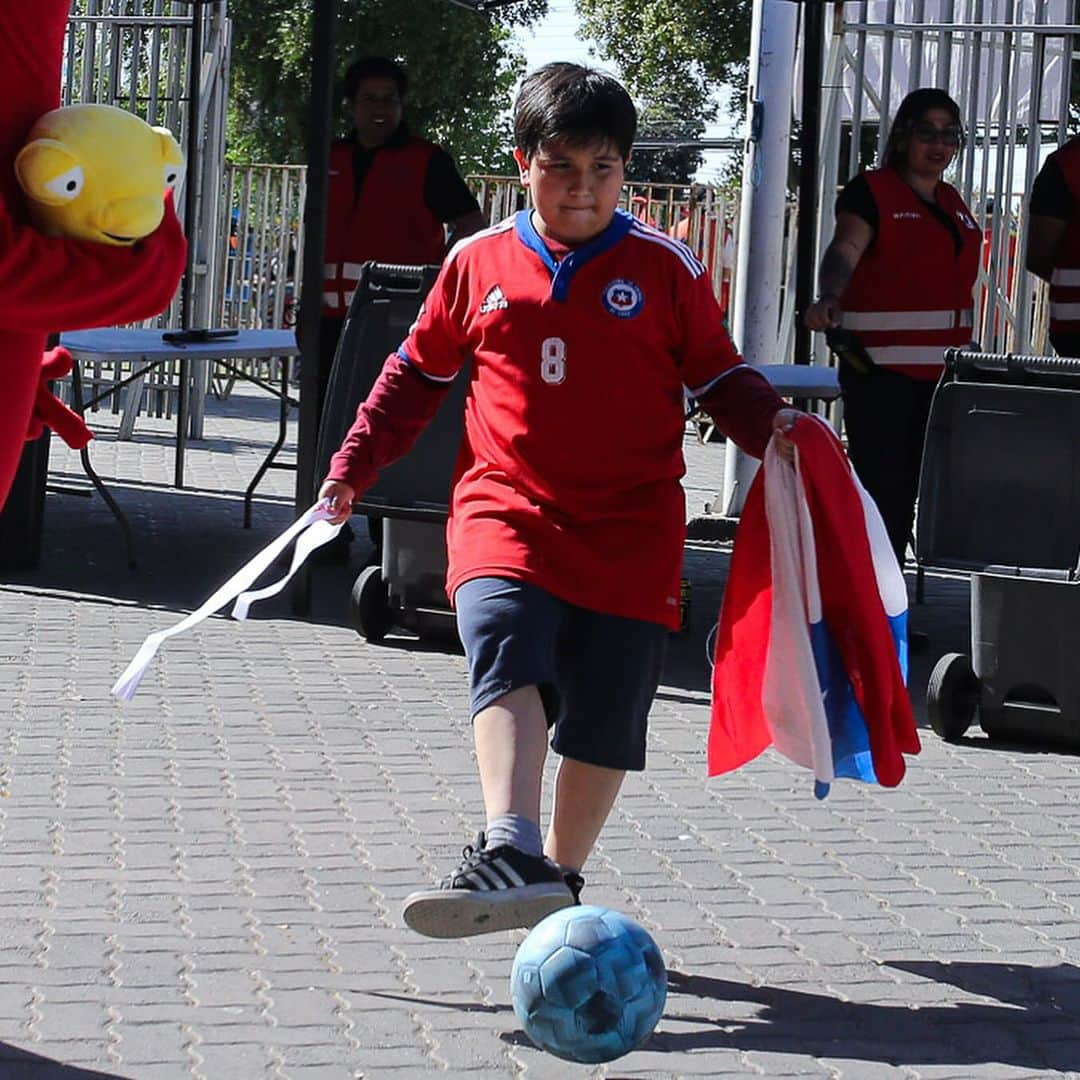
{"x":411,"y":497}
{"x":23,"y":515}
{"x":1000,"y":498}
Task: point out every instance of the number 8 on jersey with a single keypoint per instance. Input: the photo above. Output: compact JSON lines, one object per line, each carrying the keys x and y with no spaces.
{"x":553,"y":361}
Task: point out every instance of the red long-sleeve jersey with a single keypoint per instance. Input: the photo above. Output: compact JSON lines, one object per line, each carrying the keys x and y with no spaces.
{"x":568,"y":474}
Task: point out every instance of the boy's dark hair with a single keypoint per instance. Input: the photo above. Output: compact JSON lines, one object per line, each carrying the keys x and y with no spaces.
{"x":575,"y":103}
{"x":913,"y":109}
{"x":372,"y":67}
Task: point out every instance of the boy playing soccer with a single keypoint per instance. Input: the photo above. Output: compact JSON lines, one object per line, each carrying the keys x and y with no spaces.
{"x":567,"y":521}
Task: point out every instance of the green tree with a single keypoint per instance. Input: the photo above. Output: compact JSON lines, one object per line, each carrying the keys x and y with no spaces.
{"x":695,"y":44}
{"x":462,"y":68}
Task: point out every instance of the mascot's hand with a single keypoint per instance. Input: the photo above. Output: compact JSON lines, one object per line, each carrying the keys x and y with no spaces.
{"x":98,"y":173}
{"x":165,"y":250}
{"x":50,"y":411}
{"x":170,"y":233}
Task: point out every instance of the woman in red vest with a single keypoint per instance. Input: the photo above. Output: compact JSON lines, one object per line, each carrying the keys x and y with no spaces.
{"x":899,"y":274}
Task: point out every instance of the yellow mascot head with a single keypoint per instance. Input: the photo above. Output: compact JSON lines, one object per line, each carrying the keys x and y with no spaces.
{"x":98,"y":173}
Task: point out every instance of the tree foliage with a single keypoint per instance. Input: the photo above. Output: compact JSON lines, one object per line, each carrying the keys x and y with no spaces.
{"x":462,"y":68}
{"x":672,"y":57}
{"x":694,"y":45}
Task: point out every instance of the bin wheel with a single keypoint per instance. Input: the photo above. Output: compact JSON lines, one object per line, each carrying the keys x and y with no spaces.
{"x":369,"y":605}
{"x":952,"y":696}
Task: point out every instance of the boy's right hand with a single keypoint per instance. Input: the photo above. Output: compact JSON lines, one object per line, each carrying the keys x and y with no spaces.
{"x":339,"y":496}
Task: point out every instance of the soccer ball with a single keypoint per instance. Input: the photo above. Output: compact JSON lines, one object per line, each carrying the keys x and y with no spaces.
{"x":588,"y":984}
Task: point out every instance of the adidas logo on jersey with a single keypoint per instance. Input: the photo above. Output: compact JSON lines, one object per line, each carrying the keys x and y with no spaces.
{"x":494,"y":301}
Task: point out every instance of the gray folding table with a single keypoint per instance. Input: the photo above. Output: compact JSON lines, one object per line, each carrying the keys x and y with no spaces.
{"x":146,"y":350}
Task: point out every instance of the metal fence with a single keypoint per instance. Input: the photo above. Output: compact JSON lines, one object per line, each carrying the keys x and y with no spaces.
{"x":1008,"y":65}
{"x":137,"y":55}
{"x":261,"y":246}
{"x":1006,"y":61}
{"x":706,"y":223}
{"x":260,"y":255}
{"x":246,"y":236}
{"x":260,"y":238}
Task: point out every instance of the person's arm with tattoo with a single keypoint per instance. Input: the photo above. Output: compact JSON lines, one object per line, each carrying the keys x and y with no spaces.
{"x":849,"y":243}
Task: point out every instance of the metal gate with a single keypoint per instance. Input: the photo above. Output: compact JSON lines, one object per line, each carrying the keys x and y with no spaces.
{"x":1007,"y":63}
{"x":136,"y":55}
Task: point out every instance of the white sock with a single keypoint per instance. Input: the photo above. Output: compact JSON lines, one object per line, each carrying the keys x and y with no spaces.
{"x":517,"y":831}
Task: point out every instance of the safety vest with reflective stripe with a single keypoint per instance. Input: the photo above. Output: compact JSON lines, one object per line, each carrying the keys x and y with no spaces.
{"x":910,"y":296}
{"x":388,"y":222}
{"x":1065,"y":280}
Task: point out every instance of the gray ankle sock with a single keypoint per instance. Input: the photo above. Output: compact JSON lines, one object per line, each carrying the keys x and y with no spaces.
{"x":515,"y":830}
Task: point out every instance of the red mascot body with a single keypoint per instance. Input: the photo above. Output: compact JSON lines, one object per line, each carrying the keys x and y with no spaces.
{"x":49,"y":284}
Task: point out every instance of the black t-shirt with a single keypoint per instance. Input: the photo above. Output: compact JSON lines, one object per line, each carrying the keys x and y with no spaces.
{"x":1050,"y":195}
{"x":446,"y":194}
{"x":857,"y":198}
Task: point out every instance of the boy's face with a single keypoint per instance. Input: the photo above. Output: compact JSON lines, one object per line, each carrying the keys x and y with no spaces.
{"x":575,"y":189}
{"x":376,"y":111}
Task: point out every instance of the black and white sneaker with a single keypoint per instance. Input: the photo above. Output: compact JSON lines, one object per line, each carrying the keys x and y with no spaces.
{"x":497,"y":888}
{"x":575,"y":883}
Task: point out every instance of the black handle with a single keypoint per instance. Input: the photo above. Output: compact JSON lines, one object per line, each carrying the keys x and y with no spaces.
{"x":392,"y":277}
{"x":196,"y":336}
{"x":963,"y":359}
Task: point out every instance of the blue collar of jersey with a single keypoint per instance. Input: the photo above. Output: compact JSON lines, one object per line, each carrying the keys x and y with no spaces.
{"x":563,"y":272}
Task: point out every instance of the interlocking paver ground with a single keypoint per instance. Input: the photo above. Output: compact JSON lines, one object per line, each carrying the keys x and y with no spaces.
{"x":207,"y":882}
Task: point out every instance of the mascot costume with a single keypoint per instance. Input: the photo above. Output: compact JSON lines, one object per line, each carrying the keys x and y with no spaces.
{"x":83,"y":243}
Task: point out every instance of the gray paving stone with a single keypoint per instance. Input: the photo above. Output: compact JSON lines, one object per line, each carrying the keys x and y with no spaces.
{"x":207,"y":881}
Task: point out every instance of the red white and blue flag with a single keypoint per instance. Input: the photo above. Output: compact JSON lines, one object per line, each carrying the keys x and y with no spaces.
{"x":811,"y":650}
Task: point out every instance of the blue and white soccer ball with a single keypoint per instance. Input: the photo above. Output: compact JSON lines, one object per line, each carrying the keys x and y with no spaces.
{"x":588,"y":984}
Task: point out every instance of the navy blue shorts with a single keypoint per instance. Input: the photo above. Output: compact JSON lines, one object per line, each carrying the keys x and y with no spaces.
{"x":597,"y":674}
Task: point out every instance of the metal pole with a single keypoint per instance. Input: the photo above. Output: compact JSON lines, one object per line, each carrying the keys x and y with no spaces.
{"x":858,"y":93}
{"x":809,"y":138}
{"x":832,"y":129}
{"x":760,"y":271}
{"x":191,"y":201}
{"x":885,"y":106}
{"x":320,"y":113}
{"x":1022,"y":298}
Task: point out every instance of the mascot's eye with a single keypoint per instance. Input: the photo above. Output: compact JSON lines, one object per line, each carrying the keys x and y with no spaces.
{"x":172,"y":175}
{"x":67,"y":185}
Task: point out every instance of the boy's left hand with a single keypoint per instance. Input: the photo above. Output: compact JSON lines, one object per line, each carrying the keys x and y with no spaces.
{"x":783,"y":422}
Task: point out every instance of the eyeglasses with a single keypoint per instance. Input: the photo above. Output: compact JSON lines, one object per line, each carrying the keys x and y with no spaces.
{"x":377,"y":99}
{"x":927,"y":133}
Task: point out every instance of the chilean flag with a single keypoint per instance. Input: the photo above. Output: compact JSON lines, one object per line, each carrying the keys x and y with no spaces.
{"x":811,"y":649}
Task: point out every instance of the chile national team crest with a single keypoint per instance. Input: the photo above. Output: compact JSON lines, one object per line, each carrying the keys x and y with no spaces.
{"x":623,"y":299}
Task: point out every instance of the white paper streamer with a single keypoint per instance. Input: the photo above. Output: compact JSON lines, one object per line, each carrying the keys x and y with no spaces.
{"x":313,"y":529}
{"x":318,"y":533}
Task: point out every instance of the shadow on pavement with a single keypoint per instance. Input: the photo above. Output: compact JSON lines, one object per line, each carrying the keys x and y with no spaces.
{"x":967,"y":1033}
{"x":1037,"y":744}
{"x":188,"y":542}
{"x":1056,"y":988}
{"x":820,"y":1026}
{"x":688,"y":664}
{"x":18,"y":1064}
{"x":437,"y":1003}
